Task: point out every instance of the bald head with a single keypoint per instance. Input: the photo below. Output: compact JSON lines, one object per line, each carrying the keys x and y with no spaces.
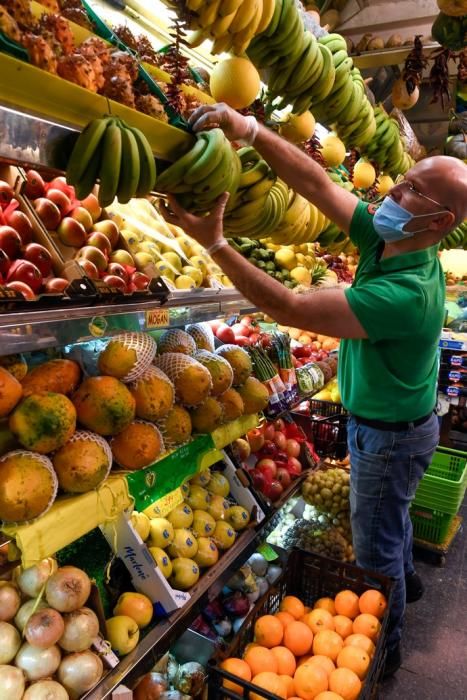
{"x":445,"y":180}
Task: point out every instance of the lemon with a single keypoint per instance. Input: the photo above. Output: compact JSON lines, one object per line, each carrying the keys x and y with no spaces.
{"x":195,"y":274}
{"x":301,"y":275}
{"x":184,"y":282}
{"x":385,"y":184}
{"x":223,"y":535}
{"x":218,"y":507}
{"x":162,"y":533}
{"x":184,"y":544}
{"x":285,"y":257}
{"x":203,"y":523}
{"x":238,"y":517}
{"x":173,"y":259}
{"x":207,"y":554}
{"x":181,"y":516}
{"x":198,"y":498}
{"x":202,"y":478}
{"x":185,"y":245}
{"x":165,"y":270}
{"x":218,"y":484}
{"x":364,"y":175}
{"x":162,"y":560}
{"x":185,"y":573}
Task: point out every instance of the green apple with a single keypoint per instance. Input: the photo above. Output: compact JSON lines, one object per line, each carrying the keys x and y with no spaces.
{"x":122,"y":633}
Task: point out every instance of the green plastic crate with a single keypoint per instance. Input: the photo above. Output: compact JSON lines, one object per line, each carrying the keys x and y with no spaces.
{"x":430,"y":525}
{"x":448,"y":464}
{"x":446,"y":493}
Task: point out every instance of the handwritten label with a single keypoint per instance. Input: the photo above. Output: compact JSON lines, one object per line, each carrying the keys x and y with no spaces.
{"x":164,"y":505}
{"x":157,"y":318}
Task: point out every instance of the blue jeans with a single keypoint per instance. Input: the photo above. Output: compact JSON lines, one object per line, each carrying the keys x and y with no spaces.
{"x":386,"y":468}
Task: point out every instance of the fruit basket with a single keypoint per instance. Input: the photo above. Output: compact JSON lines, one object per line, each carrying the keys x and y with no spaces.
{"x":328,"y":432}
{"x":309,"y":577}
{"x":443,"y":493}
{"x":430,"y":525}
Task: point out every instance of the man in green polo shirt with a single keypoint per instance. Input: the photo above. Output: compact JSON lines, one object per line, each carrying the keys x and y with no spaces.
{"x":390,"y":320}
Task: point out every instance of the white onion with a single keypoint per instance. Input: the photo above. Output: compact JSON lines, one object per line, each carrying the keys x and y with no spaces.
{"x":81,"y":627}
{"x":68,"y":589}
{"x":25,"y":612}
{"x":80,"y":672}
{"x":10,"y":642}
{"x":38,"y":663}
{"x":44,"y":628}
{"x":11,"y":683}
{"x":10,"y":601}
{"x":46,"y":690}
{"x":32,"y":579}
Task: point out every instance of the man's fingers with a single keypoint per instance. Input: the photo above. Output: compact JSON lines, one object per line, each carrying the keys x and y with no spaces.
{"x":198,"y":112}
{"x":168,"y":215}
{"x":221,"y":204}
{"x":177,"y":209}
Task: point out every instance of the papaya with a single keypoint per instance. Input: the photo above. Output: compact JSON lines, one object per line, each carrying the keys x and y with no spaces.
{"x":450,"y":31}
{"x":43,"y":422}
{"x":15,"y":364}
{"x":10,"y":392}
{"x":104,"y":405}
{"x":28,"y":486}
{"x":60,"y":376}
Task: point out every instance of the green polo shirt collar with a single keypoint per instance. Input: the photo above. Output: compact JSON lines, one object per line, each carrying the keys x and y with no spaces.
{"x":406,"y":260}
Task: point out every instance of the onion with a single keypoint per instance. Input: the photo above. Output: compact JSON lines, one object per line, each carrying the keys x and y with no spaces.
{"x":46,"y":690}
{"x":38,"y":663}
{"x":11,"y":683}
{"x":150,"y":687}
{"x":68,"y":589}
{"x":31,"y":580}
{"x":10,"y":601}
{"x":10,"y":642}
{"x":44,"y":628}
{"x":80,"y":672}
{"x":81,"y":628}
{"x":25,"y":612}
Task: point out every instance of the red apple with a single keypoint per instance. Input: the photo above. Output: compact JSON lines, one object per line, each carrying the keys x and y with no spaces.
{"x":280,"y":440}
{"x":59,"y":198}
{"x":34,"y":186}
{"x":259,"y":479}
{"x":71,"y":232}
{"x":4,"y":262}
{"x":269,"y":449}
{"x":10,"y":241}
{"x":40,"y":257}
{"x":115,"y":268}
{"x":99,"y":240}
{"x":116,"y":282}
{"x":91,"y":203}
{"x":27,"y":272}
{"x":242,"y":340}
{"x":48,"y":213}
{"x":110,"y":229}
{"x":281,"y":458}
{"x":20,"y":222}
{"x":267,"y":464}
{"x":279,"y":425}
{"x":83,"y":216}
{"x":123,"y":257}
{"x":292,"y":448}
{"x":275,"y":490}
{"x":89,"y":252}
{"x":238,"y":329}
{"x":294,"y":467}
{"x":60,"y":183}
{"x":23,"y":289}
{"x":225,"y":333}
{"x":89,"y":269}
{"x":283,"y":477}
{"x":56,"y":285}
{"x":6,"y":193}
{"x":256,"y":439}
{"x":268,"y":431}
{"x":139,"y":280}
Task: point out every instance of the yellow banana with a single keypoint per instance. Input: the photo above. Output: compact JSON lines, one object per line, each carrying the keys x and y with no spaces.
{"x":208,"y":14}
{"x":266,"y":15}
{"x":244,"y":16}
{"x":229,"y":6}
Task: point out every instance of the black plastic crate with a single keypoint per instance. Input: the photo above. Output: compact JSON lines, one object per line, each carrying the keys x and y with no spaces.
{"x":326,"y":408}
{"x":309,"y":577}
{"x":327,"y":433}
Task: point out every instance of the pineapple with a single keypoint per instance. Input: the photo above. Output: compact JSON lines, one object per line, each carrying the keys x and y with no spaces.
{"x":20,"y":10}
{"x":78,"y":70}
{"x":61,"y":30}
{"x":41,"y":54}
{"x":9,"y":26}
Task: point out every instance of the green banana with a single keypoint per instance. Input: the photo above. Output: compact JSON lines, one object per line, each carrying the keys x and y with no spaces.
{"x":147,"y":164}
{"x":111,"y":161}
{"x":323,"y":86}
{"x":84,"y":149}
{"x":339,"y":57}
{"x":308,"y":74}
{"x":334,"y":42}
{"x":130,"y":171}
{"x":251,"y":176}
{"x":209,"y":159}
{"x":260,"y":189}
{"x":90,"y":176}
{"x":173,"y":175}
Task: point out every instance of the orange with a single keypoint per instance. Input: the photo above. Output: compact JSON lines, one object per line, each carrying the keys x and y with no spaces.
{"x":292,"y":605}
{"x":307,"y":609}
{"x":286,"y":663}
{"x":268,"y":681}
{"x":346,"y":683}
{"x":284,"y":617}
{"x":268,"y":631}
{"x":304,"y":659}
{"x":237,"y":667}
{"x":298,"y":637}
{"x":289,"y":685}
{"x":323,"y":661}
{"x":346,"y":603}
{"x":318,"y":620}
{"x":310,"y":681}
{"x":367,"y":624}
{"x":343,"y":625}
{"x":361,"y":641}
{"x":250,"y":646}
{"x":326,"y":604}
{"x":373,"y":602}
{"x":327,"y":643}
{"x":328,"y":695}
{"x":356,"y":659}
{"x":294,"y":697}
{"x":260,"y":659}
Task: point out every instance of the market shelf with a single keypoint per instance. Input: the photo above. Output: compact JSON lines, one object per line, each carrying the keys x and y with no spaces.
{"x":387,"y":57}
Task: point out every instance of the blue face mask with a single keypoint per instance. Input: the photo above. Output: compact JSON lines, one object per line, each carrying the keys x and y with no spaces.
{"x":390,"y":220}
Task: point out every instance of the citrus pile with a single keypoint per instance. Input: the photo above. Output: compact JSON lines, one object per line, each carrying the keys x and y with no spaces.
{"x":323,"y":653}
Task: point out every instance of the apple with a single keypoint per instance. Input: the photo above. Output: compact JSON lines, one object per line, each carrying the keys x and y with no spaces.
{"x":10,"y":241}
{"x":71,"y":232}
{"x":259,"y":479}
{"x":238,"y":329}
{"x":83,"y":216}
{"x":225,"y":333}
{"x":20,"y":222}
{"x":292,"y":448}
{"x":279,"y":425}
{"x":89,"y":252}
{"x":99,"y":240}
{"x":27,"y":272}
{"x":40,"y":256}
{"x":6,"y":193}
{"x":4,"y":262}
{"x":59,"y":183}
{"x":142,"y":260}
{"x":48,"y":213}
{"x":269,"y":449}
{"x":215,"y":323}
{"x":91,"y":204}
{"x":56,"y":285}
{"x":256,"y":439}
{"x":115,"y":282}
{"x":281,"y":458}
{"x":110,"y":229}
{"x":89,"y":269}
{"x":137,"y":606}
{"x":242,"y":340}
{"x":122,"y":633}
{"x":115,"y":268}
{"x":268,"y":431}
{"x":275,"y":490}
{"x":294,"y":467}
{"x":34,"y":186}
{"x":243,"y":448}
{"x":23,"y":289}
{"x":141,"y":524}
{"x":59,"y":198}
{"x":267,"y":465}
{"x":280,"y":440}
{"x":139,"y":280}
{"x":283,"y":477}
{"x":123,"y":257}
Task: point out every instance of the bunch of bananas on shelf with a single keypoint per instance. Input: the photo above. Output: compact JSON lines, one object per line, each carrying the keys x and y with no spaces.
{"x":118,"y":156}
{"x":301,"y":223}
{"x":334,"y":240}
{"x":203,"y":173}
{"x":231,"y":24}
{"x":455,"y":239}
{"x":386,"y":147}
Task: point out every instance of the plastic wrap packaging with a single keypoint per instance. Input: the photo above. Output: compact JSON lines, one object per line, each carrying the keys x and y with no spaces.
{"x":409,"y":139}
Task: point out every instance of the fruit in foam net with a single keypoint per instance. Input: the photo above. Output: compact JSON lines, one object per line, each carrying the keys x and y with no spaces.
{"x":137,"y":446}
{"x":162,"y":560}
{"x":162,"y":533}
{"x":181,"y":516}
{"x":185,"y":573}
{"x":239,"y":360}
{"x":10,"y":392}
{"x":184,"y":544}
{"x":82,"y":463}
{"x":207,"y":416}
{"x":220,"y":370}
{"x":176,"y":340}
{"x":43,"y":422}
{"x":207,"y":554}
{"x":117,"y":359}
{"x":201,"y":334}
{"x":232,"y":404}
{"x":28,"y":486}
{"x":191,"y":379}
{"x":154,"y":394}
{"x":254,"y":394}
{"x":104,"y":405}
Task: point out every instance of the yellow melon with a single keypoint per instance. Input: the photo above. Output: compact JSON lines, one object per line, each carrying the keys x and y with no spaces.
{"x":254,"y":394}
{"x":43,"y":422}
{"x":235,"y":81}
{"x":220,"y":370}
{"x":239,"y":360}
{"x":15,"y":364}
{"x":176,"y":426}
{"x":82,"y":463}
{"x":10,"y":392}
{"x":207,"y":416}
{"x":137,"y":446}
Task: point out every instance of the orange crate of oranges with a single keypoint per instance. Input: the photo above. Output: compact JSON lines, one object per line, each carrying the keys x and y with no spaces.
{"x":318,"y":634}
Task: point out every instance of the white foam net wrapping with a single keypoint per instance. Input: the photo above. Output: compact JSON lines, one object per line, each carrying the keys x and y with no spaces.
{"x":169,"y":442}
{"x":47,"y":464}
{"x":206,"y":357}
{"x":145,"y":347}
{"x":176,"y":340}
{"x":202,"y":335}
{"x":174,"y":364}
{"x":81,"y":435}
{"x":153,"y":372}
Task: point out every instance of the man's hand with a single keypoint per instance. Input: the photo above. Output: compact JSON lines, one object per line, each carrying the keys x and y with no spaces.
{"x":233,"y":124}
{"x":207,"y":230}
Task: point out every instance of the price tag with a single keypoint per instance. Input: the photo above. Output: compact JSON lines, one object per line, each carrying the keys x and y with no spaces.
{"x":268,"y":552}
{"x":164,"y":505}
{"x":157,"y":318}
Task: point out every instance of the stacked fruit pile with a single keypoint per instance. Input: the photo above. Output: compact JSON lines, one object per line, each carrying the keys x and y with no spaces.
{"x":328,"y":491}
{"x":195,"y":532}
{"x":322,"y":653}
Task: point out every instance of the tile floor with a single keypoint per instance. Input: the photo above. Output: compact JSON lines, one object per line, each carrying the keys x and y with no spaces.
{"x":434,"y":647}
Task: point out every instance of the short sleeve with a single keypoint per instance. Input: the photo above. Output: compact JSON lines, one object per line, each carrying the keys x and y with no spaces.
{"x":362,"y":232}
{"x":389,"y":308}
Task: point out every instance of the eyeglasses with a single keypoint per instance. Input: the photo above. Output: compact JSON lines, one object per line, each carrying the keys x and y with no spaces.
{"x":400,"y":180}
